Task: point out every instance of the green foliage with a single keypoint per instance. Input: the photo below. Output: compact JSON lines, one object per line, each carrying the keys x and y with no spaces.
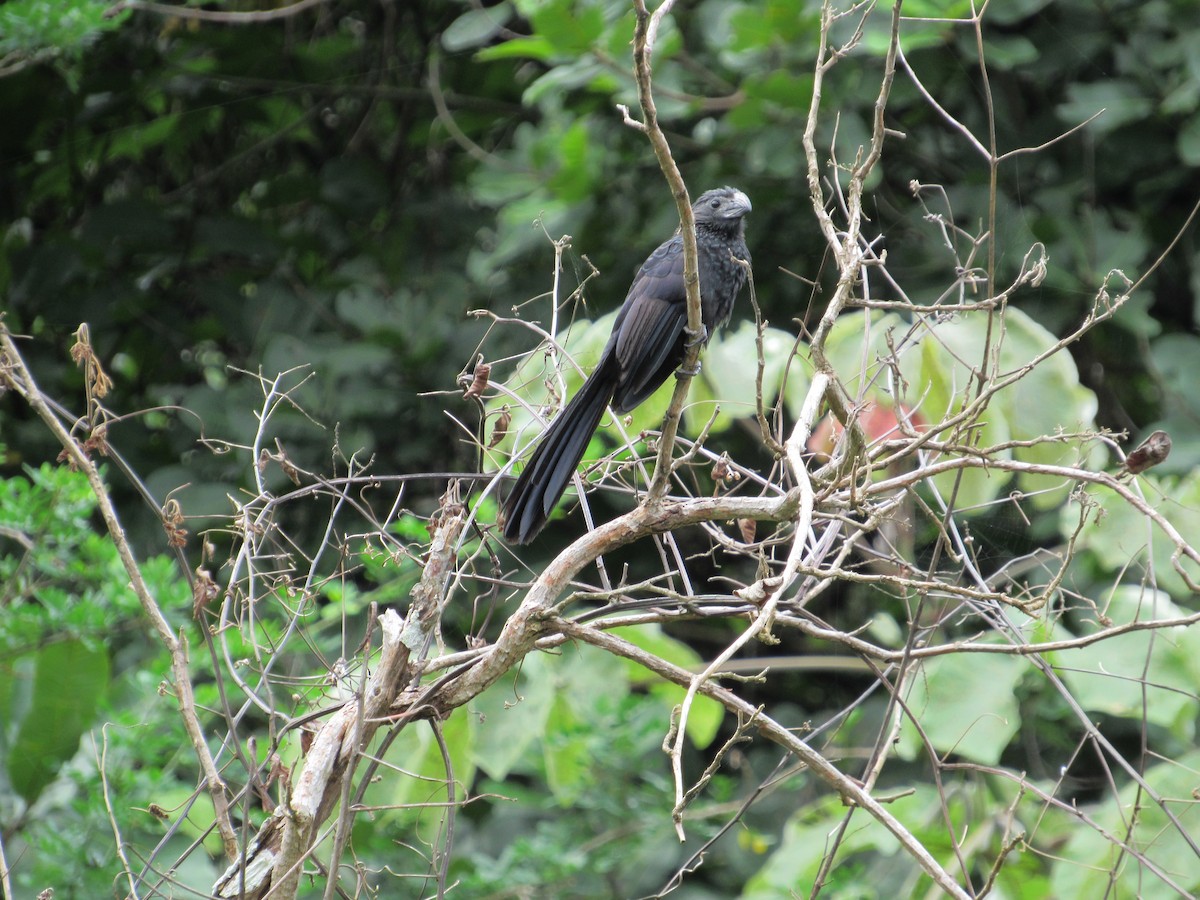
{"x":937,"y":382}
{"x":72,"y":658}
{"x":553,"y":708}
{"x":975,"y":706}
{"x":62,"y":579}
{"x":704,"y":718}
{"x":335,"y":193}
{"x":1174,"y":358}
{"x":39,"y":29}
{"x":871,"y":852}
{"x":423,"y":759}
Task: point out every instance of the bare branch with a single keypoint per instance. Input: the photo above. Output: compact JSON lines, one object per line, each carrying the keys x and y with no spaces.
{"x":219,"y":16}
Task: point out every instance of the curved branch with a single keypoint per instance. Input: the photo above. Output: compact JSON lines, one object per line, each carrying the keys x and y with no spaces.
{"x":212,"y":15}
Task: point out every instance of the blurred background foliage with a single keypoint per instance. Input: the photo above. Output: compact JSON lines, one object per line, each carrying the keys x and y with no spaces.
{"x":338,"y":189}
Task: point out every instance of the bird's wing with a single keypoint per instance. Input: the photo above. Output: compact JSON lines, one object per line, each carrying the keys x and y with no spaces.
{"x":648,"y":334}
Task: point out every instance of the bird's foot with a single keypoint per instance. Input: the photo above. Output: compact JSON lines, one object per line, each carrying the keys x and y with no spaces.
{"x":694,"y":337}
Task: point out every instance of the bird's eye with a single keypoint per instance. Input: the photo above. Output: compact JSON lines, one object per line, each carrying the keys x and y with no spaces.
{"x":714,"y":203}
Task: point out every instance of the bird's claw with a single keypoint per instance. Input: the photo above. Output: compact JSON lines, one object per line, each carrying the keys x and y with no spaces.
{"x":695,"y":336}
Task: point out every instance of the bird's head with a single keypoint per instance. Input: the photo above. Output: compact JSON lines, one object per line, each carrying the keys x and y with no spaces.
{"x":723,"y":205}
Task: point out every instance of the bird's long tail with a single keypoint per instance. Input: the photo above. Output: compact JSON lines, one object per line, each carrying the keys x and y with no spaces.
{"x":548,"y":472}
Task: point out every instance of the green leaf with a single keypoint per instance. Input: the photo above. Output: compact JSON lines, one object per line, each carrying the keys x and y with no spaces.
{"x":706,"y":714}
{"x":1175,"y":358}
{"x":937,"y":364}
{"x":567,"y":752}
{"x":728,"y":372}
{"x":781,"y":88}
{"x":424,"y":766}
{"x":511,"y":719}
{"x":791,"y":870}
{"x":755,"y":27}
{"x":966,"y":704}
{"x":1010,"y":51}
{"x":69,"y":680}
{"x":1028,"y":415}
{"x":578,"y":165}
{"x":548,"y":89}
{"x":571,"y":28}
{"x":937,"y":375}
{"x":535,"y":47}
{"x":572,"y":742}
{"x":582,"y":342}
{"x":1121,"y":102}
{"x":134,"y":141}
{"x":1150,"y":674}
{"x":1014,"y":11}
{"x":476,"y":27}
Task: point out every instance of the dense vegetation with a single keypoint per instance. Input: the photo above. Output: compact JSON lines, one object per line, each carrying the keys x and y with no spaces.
{"x":292,"y":236}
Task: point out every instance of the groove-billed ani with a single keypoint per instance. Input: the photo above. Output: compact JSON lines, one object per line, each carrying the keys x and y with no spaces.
{"x":646,"y":346}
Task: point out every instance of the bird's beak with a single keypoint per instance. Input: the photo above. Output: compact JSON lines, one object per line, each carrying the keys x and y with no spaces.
{"x":739,"y":207}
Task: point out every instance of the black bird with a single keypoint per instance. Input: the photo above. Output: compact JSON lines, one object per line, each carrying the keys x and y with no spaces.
{"x":647,"y":344}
